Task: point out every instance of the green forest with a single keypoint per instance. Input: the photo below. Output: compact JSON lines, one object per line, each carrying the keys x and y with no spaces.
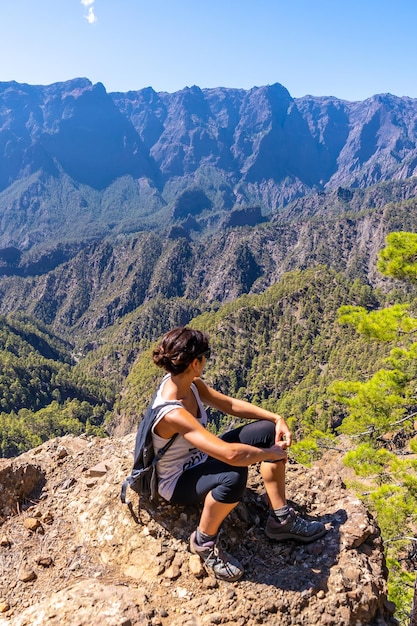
{"x":335,"y":356}
{"x":42,"y":393}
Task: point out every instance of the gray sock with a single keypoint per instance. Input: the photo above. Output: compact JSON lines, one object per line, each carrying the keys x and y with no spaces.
{"x":282,"y":512}
{"x":202,"y":538}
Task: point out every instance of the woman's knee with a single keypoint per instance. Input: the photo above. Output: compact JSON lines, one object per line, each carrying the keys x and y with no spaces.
{"x":260,"y":433}
{"x":231,"y":485}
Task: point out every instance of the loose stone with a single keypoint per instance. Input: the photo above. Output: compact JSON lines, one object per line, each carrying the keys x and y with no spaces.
{"x":196,"y":566}
{"x":4,"y":606}
{"x":32,"y":523}
{"x":26,"y":574}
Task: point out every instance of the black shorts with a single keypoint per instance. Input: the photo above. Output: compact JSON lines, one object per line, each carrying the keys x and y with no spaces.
{"x":226,"y":482}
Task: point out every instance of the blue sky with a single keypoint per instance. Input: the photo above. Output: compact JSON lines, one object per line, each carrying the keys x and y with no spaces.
{"x":351,"y":49}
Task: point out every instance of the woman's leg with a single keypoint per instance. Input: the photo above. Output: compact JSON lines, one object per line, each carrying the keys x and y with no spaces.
{"x":218,"y":485}
{"x":213,"y":515}
{"x":273,"y":475}
{"x":262,"y":434}
{"x":283,"y":523}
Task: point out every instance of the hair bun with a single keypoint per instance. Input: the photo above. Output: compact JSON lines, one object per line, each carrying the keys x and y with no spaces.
{"x":178,"y":348}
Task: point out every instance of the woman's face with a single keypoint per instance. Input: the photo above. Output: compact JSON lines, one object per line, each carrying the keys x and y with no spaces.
{"x":201,"y":362}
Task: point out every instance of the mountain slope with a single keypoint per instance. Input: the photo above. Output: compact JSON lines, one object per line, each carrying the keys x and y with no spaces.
{"x":42,"y":393}
{"x":77,"y":163}
{"x":106,"y":280}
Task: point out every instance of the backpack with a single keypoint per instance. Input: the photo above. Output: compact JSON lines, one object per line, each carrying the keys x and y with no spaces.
{"x":143,"y":478}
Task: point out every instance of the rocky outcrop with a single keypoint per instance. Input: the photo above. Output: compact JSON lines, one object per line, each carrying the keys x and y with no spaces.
{"x":72,"y":554}
{"x":17,"y":482}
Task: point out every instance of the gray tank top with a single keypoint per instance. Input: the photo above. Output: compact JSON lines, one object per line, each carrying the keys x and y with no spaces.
{"x":181,"y":455}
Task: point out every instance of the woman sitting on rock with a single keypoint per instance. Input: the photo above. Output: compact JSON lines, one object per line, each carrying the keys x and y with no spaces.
{"x":200,"y":467}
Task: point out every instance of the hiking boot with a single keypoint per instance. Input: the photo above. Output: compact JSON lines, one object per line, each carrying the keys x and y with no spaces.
{"x":216,"y":561}
{"x":294,"y":527}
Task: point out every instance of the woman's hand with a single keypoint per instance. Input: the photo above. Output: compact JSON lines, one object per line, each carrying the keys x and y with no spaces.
{"x":278,"y":452}
{"x":283,"y":435}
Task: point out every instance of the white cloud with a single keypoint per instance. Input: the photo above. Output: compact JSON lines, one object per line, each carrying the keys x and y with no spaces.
{"x":90,"y":17}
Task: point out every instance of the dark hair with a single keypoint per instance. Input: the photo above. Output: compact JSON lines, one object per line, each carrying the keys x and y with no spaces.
{"x":178,"y":348}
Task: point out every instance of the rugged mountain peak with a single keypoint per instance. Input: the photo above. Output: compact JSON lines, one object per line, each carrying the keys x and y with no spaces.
{"x":71,"y":551}
{"x":134,"y":152}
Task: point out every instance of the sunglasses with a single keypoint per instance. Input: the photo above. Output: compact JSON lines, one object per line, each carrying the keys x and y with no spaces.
{"x":207,"y":354}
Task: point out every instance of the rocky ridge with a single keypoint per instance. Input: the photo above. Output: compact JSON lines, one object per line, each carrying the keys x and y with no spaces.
{"x":78,"y":163}
{"x":72,"y":554}
{"x":109,"y":279}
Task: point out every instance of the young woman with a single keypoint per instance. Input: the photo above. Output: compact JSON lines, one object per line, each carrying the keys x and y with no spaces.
{"x":200,"y":467}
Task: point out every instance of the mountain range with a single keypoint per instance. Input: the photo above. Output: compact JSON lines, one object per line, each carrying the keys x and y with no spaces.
{"x":78,"y":163}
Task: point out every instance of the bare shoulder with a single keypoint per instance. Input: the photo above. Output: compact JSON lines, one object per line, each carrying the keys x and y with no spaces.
{"x":177,"y":420}
{"x":200,"y":384}
{"x":204,"y":390}
{"x":211,"y":397}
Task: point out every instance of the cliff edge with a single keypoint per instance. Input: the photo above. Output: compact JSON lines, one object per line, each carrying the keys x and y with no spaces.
{"x":72,"y":554}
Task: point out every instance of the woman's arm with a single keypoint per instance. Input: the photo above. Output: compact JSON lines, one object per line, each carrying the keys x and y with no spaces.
{"x":244,"y":409}
{"x":238,"y":454}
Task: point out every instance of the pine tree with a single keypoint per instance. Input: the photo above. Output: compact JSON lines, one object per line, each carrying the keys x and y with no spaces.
{"x":383,"y":403}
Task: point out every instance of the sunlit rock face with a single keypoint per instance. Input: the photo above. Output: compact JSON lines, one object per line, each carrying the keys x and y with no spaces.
{"x":73,"y":554}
